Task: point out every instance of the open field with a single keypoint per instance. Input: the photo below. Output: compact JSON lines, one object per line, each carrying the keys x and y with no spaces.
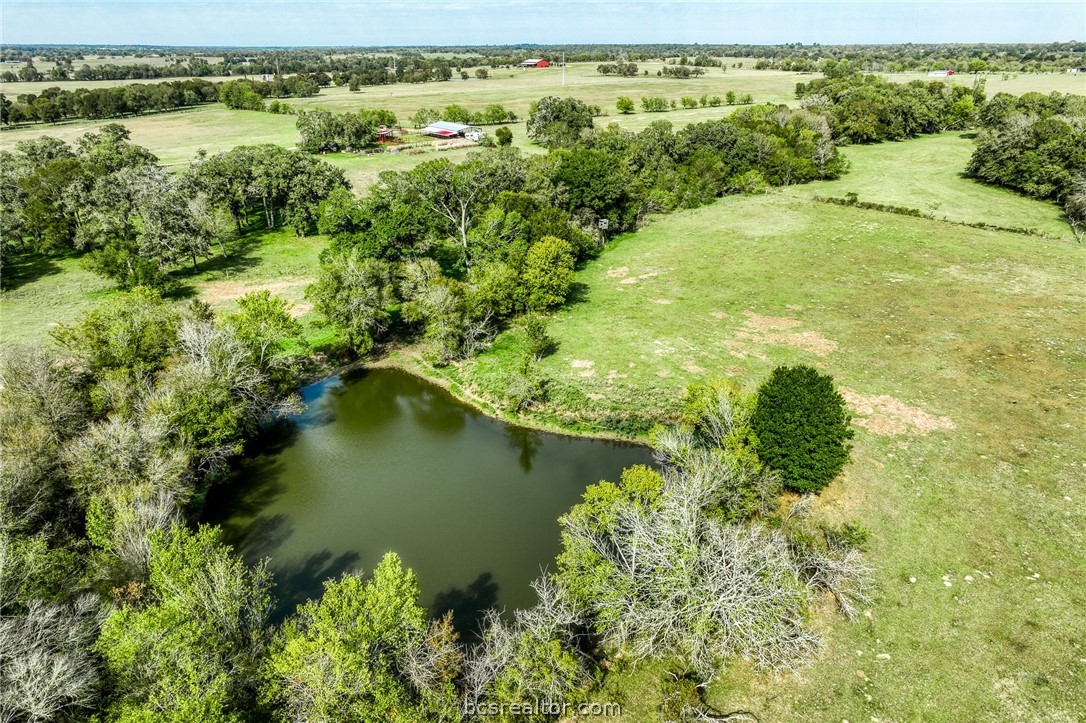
{"x":1013,"y":83}
{"x":965,"y":355}
{"x":176,"y":136}
{"x":926,"y":174}
{"x":39,"y":293}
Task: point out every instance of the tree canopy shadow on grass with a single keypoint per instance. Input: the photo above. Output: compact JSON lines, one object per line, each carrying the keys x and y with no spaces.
{"x":20,"y":269}
{"x":578,"y":294}
{"x":468,"y":605}
{"x":240,"y":257}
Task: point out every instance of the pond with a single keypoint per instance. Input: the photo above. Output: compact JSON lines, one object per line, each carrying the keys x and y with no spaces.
{"x":383,"y":460}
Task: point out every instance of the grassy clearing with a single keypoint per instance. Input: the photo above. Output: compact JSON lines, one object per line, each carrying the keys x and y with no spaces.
{"x":1013,"y":83}
{"x":931,"y":324}
{"x":927,"y":174}
{"x":176,"y":137}
{"x":41,"y":292}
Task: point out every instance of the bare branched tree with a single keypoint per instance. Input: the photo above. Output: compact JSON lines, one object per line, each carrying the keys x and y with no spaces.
{"x":47,"y":666}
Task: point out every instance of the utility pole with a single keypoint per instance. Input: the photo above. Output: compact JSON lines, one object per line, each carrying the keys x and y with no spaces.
{"x":563,"y":68}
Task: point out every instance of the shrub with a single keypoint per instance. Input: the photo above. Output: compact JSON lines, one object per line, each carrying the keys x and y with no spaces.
{"x":504,"y":136}
{"x":802,"y":427}
{"x":548,"y":272}
{"x":540,"y":343}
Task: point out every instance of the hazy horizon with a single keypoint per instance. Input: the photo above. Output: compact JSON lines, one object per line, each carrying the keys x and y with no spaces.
{"x":420,"y":23}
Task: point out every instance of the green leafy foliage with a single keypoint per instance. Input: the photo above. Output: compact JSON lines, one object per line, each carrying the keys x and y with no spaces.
{"x":133,"y":334}
{"x":354,"y":292}
{"x":548,"y":272}
{"x":558,"y":122}
{"x":802,"y":427}
{"x":339,"y":658}
{"x":188,"y":645}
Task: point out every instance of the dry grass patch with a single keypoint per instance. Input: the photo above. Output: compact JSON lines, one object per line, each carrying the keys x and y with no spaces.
{"x":776,"y":330}
{"x":888,"y":417}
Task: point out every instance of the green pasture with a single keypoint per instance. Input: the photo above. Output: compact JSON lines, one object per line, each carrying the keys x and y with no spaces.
{"x":963,"y":354}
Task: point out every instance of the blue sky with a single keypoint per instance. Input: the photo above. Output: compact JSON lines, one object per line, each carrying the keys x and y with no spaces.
{"x":466,"y":22}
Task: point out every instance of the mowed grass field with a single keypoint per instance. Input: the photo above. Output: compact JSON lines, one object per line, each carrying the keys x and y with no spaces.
{"x":40,"y":293}
{"x":927,"y":174}
{"x":963,"y":353}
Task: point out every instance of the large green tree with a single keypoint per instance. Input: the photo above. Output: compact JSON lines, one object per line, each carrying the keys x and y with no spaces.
{"x":802,"y":427}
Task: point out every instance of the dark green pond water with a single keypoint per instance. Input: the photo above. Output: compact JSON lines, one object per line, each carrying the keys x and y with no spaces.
{"x":385,"y":461}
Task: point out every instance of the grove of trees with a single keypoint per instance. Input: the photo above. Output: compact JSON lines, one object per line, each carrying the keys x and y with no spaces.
{"x":868,"y":109}
{"x":461,"y":250}
{"x":133,"y":221}
{"x":113,"y":602}
{"x":1036,"y":145}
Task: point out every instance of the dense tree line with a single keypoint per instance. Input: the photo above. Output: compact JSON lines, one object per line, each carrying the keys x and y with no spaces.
{"x":1036,"y":145}
{"x":961,"y":58}
{"x":196,"y":62}
{"x":868,"y":109}
{"x":54,"y":104}
{"x":132,"y":220}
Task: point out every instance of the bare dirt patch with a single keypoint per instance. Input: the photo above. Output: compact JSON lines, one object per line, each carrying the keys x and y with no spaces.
{"x":586,"y":366}
{"x":663,"y":301}
{"x":777,"y":330}
{"x":618,"y":273}
{"x":301,"y":309}
{"x":642,"y":277}
{"x":739,"y":350}
{"x":220,"y":292}
{"x":887,"y":416}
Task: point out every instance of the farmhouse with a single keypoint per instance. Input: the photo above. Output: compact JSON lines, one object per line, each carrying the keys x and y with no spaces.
{"x":445,"y":129}
{"x":535,"y":63}
{"x":1076,"y":70}
{"x":940,"y":73}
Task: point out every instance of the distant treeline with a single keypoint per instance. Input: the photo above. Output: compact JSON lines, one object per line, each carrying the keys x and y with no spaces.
{"x":54,"y":104}
{"x":381,"y":65}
